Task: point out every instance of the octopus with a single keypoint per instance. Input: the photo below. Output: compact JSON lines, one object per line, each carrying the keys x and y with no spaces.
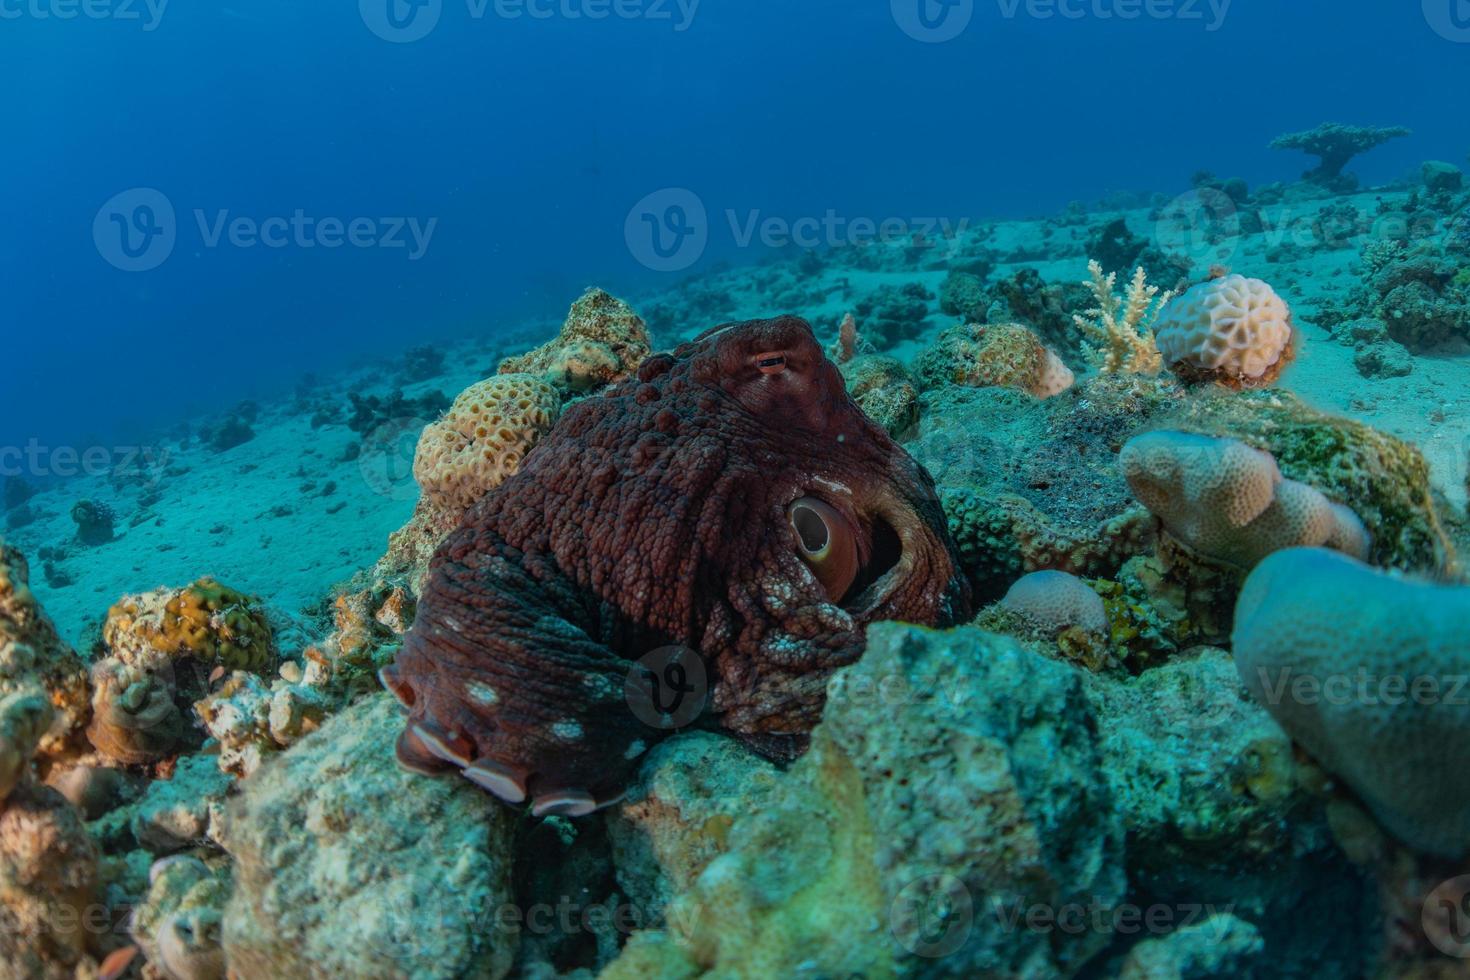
{"x":730,"y":504}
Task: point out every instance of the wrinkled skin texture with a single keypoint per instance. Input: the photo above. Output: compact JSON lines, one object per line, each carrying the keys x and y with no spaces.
{"x":657,"y":514}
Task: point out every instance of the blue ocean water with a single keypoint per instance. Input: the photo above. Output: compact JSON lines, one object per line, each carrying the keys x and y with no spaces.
{"x":516,"y":137}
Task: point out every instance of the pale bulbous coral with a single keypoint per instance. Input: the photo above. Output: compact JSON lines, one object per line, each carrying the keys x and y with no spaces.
{"x":1229,"y":502}
{"x":1366,"y":670}
{"x":998,"y":354}
{"x":602,"y":341}
{"x":481,"y":440}
{"x":1057,"y":601}
{"x":1232,"y":330}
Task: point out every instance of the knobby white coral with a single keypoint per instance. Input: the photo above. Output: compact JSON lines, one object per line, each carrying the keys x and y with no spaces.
{"x":1121,"y":328}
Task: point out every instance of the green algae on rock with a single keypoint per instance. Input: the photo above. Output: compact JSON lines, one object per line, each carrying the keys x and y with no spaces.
{"x":347,"y":865}
{"x":950,"y":767}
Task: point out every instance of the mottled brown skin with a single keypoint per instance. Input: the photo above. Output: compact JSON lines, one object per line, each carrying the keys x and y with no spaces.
{"x":654,"y":515}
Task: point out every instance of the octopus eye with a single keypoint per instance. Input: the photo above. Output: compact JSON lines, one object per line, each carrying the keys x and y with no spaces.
{"x":827,"y":542}
{"x":771,"y":363}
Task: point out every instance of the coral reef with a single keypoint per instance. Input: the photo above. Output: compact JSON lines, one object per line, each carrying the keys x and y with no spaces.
{"x":1059,"y":505}
{"x":678,"y":814}
{"x":1232,"y":330}
{"x":1047,"y":309}
{"x":178,"y":924}
{"x":34,"y":660}
{"x":1381,"y":479}
{"x":95,"y":522}
{"x":481,"y":440}
{"x":1440,"y":176}
{"x":892,"y":314}
{"x":602,"y":341}
{"x":347,"y":866}
{"x":1221,"y":947}
{"x":1377,"y":354}
{"x":163,"y":649}
{"x":1115,"y":246}
{"x":963,"y":295}
{"x":882,"y":388}
{"x":1119,"y":331}
{"x":1057,"y":601}
{"x":981,"y":355}
{"x":929,"y":817}
{"x":1365,"y":669}
{"x":136,"y":718}
{"x":732,"y":500}
{"x":1335,"y":144}
{"x":206,"y":624}
{"x":50,"y":919}
{"x":250,"y":719}
{"x":1230,"y":503}
{"x":381,"y":419}
{"x":1416,"y":294}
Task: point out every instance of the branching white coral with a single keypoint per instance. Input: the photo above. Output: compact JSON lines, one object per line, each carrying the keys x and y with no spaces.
{"x":1121,"y":328}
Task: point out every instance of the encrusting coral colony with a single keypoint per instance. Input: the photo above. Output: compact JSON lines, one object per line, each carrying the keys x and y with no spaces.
{"x":846,"y":649}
